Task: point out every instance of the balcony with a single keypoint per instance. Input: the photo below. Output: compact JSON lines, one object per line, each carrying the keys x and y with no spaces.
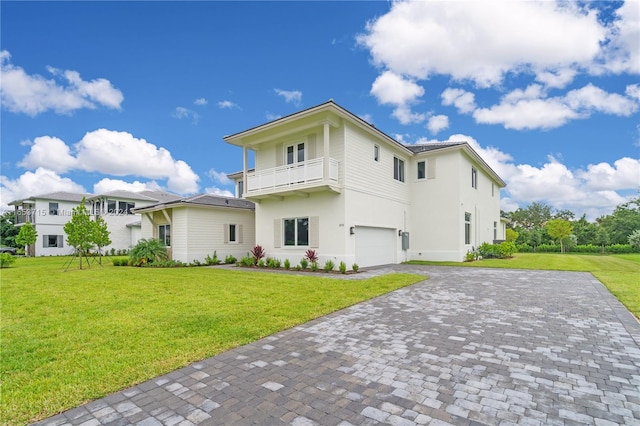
{"x":293,"y":179}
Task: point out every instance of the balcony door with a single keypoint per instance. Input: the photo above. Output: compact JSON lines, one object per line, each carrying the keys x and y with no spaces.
{"x":294,"y":158}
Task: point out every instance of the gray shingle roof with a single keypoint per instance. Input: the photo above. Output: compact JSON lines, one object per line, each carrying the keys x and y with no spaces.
{"x":432,"y":146}
{"x":56,"y":196}
{"x":205,"y":200}
{"x":157,"y":196}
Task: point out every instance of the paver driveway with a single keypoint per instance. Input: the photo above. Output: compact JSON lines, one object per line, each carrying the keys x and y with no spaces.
{"x":467,"y":346}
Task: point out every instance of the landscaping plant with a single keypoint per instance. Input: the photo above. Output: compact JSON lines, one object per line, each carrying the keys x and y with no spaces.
{"x":311,"y":255}
{"x":328,"y":265}
{"x":6,"y":260}
{"x":147,"y":251}
{"x":258,"y":254}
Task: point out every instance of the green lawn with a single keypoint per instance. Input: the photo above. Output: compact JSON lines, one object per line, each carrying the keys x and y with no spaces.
{"x":620,"y":273}
{"x":70,"y":337}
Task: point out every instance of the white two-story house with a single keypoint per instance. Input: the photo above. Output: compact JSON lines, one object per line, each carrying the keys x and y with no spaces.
{"x":50,"y":212}
{"x":325,"y":179}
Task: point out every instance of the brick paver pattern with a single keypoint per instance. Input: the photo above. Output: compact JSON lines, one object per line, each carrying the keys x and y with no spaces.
{"x":467,"y":346}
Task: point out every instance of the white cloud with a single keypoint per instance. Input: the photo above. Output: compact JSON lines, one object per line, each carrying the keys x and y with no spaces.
{"x":49,"y":152}
{"x":201,"y":101}
{"x":532,"y":109}
{"x":40,"y":181}
{"x":96,"y":153}
{"x":437,"y":123}
{"x":219,"y":177}
{"x":624,"y":174}
{"x":622,"y":54}
{"x":227,"y":105}
{"x":136,"y":157}
{"x":392,"y":89}
{"x":34,"y":94}
{"x":482,"y":41}
{"x":184,"y":113}
{"x":220,"y":192}
{"x":464,"y":101}
{"x":107,"y":185}
{"x":290,"y":96}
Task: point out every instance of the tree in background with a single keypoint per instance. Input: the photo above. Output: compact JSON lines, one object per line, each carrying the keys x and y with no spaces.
{"x":602,"y":238}
{"x":535,"y":238}
{"x":26,"y":237}
{"x":634,"y":239}
{"x":559,"y":229}
{"x":80,"y":230}
{"x":511,"y":234}
{"x":585,"y":231}
{"x":536,"y":215}
{"x":100,"y":235}
{"x":623,"y":221}
{"x":8,"y":230}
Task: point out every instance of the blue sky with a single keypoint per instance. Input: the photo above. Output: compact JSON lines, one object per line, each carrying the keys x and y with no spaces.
{"x":134,"y":95}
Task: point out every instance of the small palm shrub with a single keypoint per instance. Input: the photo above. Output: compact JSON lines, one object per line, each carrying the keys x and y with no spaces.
{"x":343,"y":267}
{"x":355,"y":267}
{"x":328,"y":265}
{"x":246,"y":261}
{"x":148,"y":251}
{"x":230,"y":260}
{"x":287,"y":264}
{"x":212,"y":260}
{"x":304,"y":263}
{"x":314,"y":266}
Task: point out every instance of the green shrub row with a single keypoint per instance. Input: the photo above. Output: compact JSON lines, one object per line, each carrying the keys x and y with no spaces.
{"x":502,"y":250}
{"x":586,"y":248}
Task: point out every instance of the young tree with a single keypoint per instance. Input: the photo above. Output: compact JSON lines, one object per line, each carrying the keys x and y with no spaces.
{"x":511,"y":234}
{"x":80,"y":230}
{"x":100,"y":235}
{"x":27,"y":236}
{"x":559,"y":229}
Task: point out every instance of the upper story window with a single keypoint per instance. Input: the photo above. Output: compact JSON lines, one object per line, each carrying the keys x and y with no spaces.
{"x":111,"y":206}
{"x":125,"y":207}
{"x":474,"y":178}
{"x":53,"y":209}
{"x":164,"y":234}
{"x":295,"y":153}
{"x":296,"y":232}
{"x":376,"y":153}
{"x":422,"y":170}
{"x":398,"y":169}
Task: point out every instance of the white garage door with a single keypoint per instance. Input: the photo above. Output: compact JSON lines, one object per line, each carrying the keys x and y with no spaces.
{"x":375,"y":246}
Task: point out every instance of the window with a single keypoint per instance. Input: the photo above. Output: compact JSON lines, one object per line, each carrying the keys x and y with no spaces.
{"x":52,"y":241}
{"x":232,"y":233}
{"x":164,"y":234}
{"x":495,"y":230}
{"x":240,"y":188}
{"x":295,"y":153}
{"x":125,"y":208}
{"x":376,"y":153}
{"x":296,"y":232}
{"x":474,"y":178}
{"x":422,"y":170}
{"x":467,"y":228}
{"x":53,"y":210}
{"x":111,"y":206}
{"x":398,"y":169}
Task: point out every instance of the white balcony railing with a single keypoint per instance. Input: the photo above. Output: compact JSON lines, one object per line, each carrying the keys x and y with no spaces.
{"x":291,"y":175}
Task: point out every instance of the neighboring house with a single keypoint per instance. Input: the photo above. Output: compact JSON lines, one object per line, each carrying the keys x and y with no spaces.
{"x":116,"y":208}
{"x":48,"y":213}
{"x":327,"y":180}
{"x":195,"y":227}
